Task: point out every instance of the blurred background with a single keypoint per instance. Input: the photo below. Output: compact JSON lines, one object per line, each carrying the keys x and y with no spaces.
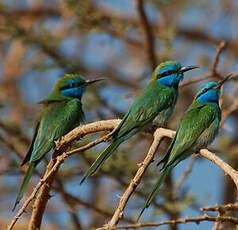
{"x":121,"y":41}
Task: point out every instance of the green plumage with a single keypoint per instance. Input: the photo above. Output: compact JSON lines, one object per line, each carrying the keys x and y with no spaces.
{"x":157,"y":100}
{"x":62,"y":111}
{"x":197,"y":129}
{"x":144,"y":109}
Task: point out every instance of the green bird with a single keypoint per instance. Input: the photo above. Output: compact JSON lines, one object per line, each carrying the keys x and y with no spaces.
{"x":61,"y":113}
{"x":197,"y":128}
{"x":157,"y":100}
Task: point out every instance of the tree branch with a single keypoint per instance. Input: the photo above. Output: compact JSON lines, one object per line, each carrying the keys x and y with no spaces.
{"x":228,"y":170}
{"x":79,"y":132}
{"x":118,"y":214}
{"x":149,"y":41}
{"x":56,"y":162}
{"x":195,"y":220}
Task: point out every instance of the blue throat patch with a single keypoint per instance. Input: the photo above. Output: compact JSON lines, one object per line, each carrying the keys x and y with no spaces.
{"x":73,"y":89}
{"x":76,"y":92}
{"x":211,"y":95}
{"x":171,"y":80}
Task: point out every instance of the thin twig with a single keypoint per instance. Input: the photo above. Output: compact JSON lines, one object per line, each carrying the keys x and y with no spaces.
{"x":149,"y":41}
{"x":109,"y":125}
{"x":227,"y":169}
{"x":118,"y":214}
{"x":213,"y":68}
{"x":195,"y":220}
{"x":215,"y":61}
{"x":76,"y":201}
{"x":74,"y":134}
{"x":223,"y":208}
{"x":217,"y":222}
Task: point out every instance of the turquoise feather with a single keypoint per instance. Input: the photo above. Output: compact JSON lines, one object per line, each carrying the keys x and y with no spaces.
{"x":61,"y":113}
{"x":197,"y":128}
{"x":157,"y":99}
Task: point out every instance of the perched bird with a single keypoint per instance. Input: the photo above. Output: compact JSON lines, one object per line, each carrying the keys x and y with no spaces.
{"x":61,"y":113}
{"x":197,"y":129}
{"x":157,"y":100}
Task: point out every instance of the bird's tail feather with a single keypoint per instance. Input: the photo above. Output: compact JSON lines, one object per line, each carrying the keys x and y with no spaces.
{"x":25,"y":182}
{"x":155,"y":189}
{"x":102,"y":158}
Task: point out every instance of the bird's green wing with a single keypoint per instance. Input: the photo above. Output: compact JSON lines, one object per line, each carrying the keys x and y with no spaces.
{"x":152,"y":100}
{"x":56,"y":120}
{"x":195,"y":121}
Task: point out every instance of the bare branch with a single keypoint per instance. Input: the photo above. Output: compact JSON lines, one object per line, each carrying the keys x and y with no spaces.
{"x":118,"y":214}
{"x":79,"y":132}
{"x":150,"y":41}
{"x":55,"y":163}
{"x":213,"y":67}
{"x":215,"y":61}
{"x":195,"y":220}
{"x":222,"y":208}
{"x":227,"y":169}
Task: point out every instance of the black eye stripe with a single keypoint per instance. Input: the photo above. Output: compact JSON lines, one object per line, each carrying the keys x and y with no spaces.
{"x":205,"y":90}
{"x":166,"y":73}
{"x":72,"y":85}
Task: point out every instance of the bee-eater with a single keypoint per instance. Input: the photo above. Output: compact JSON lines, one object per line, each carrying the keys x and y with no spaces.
{"x":157,"y":100}
{"x":197,"y":129}
{"x":61,"y":113}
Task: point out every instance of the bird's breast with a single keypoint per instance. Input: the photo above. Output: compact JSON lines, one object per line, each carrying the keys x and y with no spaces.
{"x":207,"y":136}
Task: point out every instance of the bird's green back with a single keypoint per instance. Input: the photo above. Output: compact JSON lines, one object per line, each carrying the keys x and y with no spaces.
{"x":154,"y":98}
{"x":201,"y":119}
{"x":56,"y":120}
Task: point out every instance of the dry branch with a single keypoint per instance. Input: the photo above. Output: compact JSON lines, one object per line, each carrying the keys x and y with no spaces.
{"x":195,"y":220}
{"x":213,"y":68}
{"x":144,"y":165}
{"x":149,"y":40}
{"x":79,"y":132}
{"x":227,"y":169}
{"x":118,"y":214}
{"x":74,"y":134}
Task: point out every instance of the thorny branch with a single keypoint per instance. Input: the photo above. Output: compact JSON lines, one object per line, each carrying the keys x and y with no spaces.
{"x":195,"y":220}
{"x":55,"y":163}
{"x":213,"y":68}
{"x":96,"y":127}
{"x":119,"y":212}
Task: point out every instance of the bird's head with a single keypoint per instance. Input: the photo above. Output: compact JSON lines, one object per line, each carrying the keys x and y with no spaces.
{"x":211,"y":91}
{"x":170,"y":73}
{"x":72,"y":85}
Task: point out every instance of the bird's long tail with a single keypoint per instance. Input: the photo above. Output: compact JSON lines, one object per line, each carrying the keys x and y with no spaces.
{"x":155,"y":189}
{"x":25,"y":182}
{"x":102,"y":158}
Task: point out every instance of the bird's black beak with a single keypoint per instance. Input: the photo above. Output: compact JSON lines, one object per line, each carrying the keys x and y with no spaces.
{"x":187,"y":68}
{"x":88,"y":82}
{"x":220,"y":83}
